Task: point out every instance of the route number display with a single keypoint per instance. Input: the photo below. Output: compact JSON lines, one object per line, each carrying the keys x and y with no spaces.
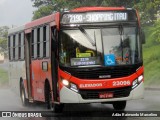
{"x":94,"y":17}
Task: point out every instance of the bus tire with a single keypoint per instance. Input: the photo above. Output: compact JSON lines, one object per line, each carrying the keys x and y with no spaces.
{"x":23,"y":96}
{"x":119,"y":105}
{"x":57,"y":108}
{"x":48,"y":97}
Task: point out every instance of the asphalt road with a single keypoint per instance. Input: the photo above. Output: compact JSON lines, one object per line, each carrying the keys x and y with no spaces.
{"x":4,"y":65}
{"x":9,"y":101}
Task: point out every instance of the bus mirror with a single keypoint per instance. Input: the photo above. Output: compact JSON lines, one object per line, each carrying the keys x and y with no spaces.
{"x":142,"y":37}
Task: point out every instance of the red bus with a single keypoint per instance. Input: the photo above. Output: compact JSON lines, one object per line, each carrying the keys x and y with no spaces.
{"x":85,"y":55}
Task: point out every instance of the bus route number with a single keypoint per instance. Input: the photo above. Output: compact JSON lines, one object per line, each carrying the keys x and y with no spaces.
{"x":76,"y":18}
{"x":121,"y":83}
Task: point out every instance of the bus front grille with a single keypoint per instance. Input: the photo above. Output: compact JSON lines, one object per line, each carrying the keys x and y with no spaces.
{"x":94,"y":94}
{"x":103,"y":73}
{"x":110,"y":72}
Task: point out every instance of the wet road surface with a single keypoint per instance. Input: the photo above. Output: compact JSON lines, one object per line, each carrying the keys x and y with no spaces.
{"x":9,"y":101}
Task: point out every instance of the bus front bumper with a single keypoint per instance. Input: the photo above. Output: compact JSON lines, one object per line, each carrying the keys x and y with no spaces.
{"x":69,"y":96}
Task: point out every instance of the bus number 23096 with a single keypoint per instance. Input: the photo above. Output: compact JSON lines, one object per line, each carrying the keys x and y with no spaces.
{"x":121,"y":83}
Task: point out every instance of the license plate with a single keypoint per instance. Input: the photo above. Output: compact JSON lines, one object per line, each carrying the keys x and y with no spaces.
{"x":105,"y":95}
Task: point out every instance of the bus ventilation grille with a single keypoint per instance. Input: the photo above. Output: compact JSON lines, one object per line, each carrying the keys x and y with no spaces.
{"x":102,"y":72}
{"x":94,"y":94}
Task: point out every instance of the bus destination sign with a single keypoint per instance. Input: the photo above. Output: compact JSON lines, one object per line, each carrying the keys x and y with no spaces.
{"x":89,"y":17}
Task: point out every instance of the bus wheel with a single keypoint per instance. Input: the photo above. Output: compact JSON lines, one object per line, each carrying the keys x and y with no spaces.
{"x":119,"y":105}
{"x":48,"y":97}
{"x":57,"y":108}
{"x":23,"y":96}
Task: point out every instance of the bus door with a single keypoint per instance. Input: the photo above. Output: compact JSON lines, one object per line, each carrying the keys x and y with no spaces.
{"x":28,"y":66}
{"x":54,"y":62}
{"x":35,"y":63}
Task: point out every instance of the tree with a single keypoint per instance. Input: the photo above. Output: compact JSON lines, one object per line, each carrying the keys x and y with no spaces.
{"x":43,"y":11}
{"x":148,"y":10}
{"x":156,"y":32}
{"x":3,"y":39}
{"x":46,"y":7}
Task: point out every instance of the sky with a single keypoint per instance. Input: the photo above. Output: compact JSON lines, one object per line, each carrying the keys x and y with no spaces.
{"x":15,"y":12}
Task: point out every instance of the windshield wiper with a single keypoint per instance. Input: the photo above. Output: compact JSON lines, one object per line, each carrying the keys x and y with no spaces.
{"x":93,"y":42}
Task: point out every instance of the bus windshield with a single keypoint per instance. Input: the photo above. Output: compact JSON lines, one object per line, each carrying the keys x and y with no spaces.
{"x":99,"y":47}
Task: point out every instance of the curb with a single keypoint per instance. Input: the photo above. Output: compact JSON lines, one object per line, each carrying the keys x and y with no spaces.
{"x":152,"y":88}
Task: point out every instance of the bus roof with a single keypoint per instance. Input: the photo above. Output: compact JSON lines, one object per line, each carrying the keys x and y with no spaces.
{"x":40,"y":21}
{"x":83,"y":9}
{"x":16,"y":29}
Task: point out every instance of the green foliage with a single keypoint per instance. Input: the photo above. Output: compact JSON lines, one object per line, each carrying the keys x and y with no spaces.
{"x":39,"y":3}
{"x":3,"y":39}
{"x":156,"y":32}
{"x":151,"y":57}
{"x":148,"y":10}
{"x":45,"y":7}
{"x":42,"y":11}
{"x":4,"y":77}
{"x":61,"y":5}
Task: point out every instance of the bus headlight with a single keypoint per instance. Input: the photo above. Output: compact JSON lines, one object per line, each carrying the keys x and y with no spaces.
{"x":137,"y":81}
{"x":70,"y":85}
{"x":140,"y":78}
{"x":65,"y":82}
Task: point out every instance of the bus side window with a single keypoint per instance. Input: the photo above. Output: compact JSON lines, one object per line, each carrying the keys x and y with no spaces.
{"x":11,"y":47}
{"x":41,"y":42}
{"x":14,"y":38}
{"x":47,"y":40}
{"x":16,"y":47}
{"x":22,"y":45}
{"x":38,"y":42}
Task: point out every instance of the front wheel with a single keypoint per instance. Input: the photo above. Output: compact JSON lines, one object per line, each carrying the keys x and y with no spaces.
{"x":119,"y":105}
{"x":57,"y":108}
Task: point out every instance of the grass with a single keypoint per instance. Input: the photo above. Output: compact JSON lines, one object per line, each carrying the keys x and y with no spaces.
{"x":151,"y":57}
{"x":3,"y":77}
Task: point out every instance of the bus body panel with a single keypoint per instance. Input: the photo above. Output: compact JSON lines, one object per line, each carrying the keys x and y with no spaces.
{"x":38,"y":77}
{"x":16,"y":30}
{"x":41,"y":21}
{"x":103,"y":83}
{"x":69,"y":96}
{"x":17,"y":71}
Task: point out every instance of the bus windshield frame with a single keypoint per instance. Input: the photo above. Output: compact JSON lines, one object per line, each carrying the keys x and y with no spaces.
{"x":79,"y":40}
